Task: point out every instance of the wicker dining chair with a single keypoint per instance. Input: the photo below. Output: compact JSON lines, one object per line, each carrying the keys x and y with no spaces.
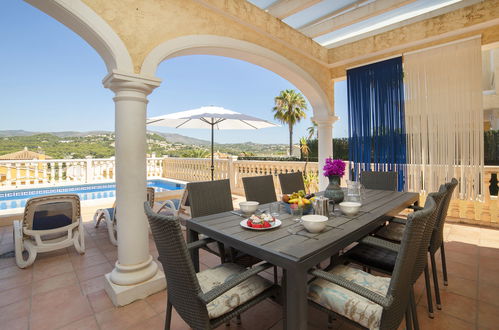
{"x":371,"y":254}
{"x":108,"y":215}
{"x":369,"y":300}
{"x":393,"y":232}
{"x":210,"y":197}
{"x":209,"y":298}
{"x":260,"y":189}
{"x":379,"y":180}
{"x":291,"y":182}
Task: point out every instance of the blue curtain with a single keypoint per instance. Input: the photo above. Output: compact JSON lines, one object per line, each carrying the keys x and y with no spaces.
{"x":376,"y":125}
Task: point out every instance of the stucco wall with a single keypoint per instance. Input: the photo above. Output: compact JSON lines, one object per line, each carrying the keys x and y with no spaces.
{"x":145,"y":24}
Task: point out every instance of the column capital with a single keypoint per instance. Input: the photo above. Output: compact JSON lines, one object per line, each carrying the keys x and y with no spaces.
{"x":118,"y":81}
{"x":329,"y":120}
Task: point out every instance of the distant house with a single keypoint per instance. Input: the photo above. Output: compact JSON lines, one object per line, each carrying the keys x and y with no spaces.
{"x":24,"y":172}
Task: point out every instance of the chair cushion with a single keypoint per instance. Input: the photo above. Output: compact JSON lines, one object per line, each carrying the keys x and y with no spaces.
{"x":393,"y":232}
{"x":344,"y":302}
{"x":372,"y":256}
{"x":110,"y":210}
{"x":210,"y":278}
{"x":45,"y":222}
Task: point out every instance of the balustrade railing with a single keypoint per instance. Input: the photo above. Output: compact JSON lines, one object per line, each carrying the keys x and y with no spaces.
{"x":196,"y":169}
{"x":22,"y":173}
{"x":76,"y":171}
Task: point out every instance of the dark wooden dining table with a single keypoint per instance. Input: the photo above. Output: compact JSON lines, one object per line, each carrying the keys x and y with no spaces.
{"x":294,"y":249}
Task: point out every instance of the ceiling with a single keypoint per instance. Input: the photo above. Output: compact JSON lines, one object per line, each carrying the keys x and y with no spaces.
{"x":333,"y":23}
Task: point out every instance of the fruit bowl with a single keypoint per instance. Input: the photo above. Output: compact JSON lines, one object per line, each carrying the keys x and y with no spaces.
{"x":307,"y":208}
{"x":304,"y":201}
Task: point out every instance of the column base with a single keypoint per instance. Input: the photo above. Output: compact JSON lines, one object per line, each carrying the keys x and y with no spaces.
{"x":125,"y":294}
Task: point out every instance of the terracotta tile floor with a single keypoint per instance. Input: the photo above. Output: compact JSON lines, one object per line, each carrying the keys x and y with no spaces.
{"x":64,"y":290}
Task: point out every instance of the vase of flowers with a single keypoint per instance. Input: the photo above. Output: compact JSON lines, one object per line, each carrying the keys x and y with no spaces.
{"x":334,"y":169}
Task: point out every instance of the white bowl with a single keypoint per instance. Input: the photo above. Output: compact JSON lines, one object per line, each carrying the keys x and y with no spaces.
{"x":248,"y":207}
{"x":314,"y":223}
{"x":350,"y":208}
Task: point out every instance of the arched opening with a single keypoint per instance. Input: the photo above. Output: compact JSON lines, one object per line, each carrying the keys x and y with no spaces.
{"x":242,"y":50}
{"x":92,"y":28}
{"x":192,"y":81}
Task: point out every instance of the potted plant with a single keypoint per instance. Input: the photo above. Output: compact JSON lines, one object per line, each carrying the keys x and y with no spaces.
{"x":334,"y":169}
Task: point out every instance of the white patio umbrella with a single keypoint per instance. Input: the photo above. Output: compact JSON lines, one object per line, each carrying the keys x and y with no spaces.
{"x":210,"y":117}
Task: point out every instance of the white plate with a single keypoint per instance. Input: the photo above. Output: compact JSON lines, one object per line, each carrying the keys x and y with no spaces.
{"x":276,"y":224}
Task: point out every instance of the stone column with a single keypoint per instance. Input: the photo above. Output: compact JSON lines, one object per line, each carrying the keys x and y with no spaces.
{"x":325,"y":133}
{"x":135,"y":275}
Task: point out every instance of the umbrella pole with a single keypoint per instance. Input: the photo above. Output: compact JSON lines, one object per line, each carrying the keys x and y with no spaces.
{"x":212,"y":162}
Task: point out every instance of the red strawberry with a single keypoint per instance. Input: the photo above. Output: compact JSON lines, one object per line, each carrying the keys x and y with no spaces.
{"x":249,"y":223}
{"x":266,"y":224}
{"x":259,"y":225}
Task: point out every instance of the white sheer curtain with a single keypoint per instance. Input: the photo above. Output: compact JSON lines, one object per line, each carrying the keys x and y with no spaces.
{"x":444,"y":117}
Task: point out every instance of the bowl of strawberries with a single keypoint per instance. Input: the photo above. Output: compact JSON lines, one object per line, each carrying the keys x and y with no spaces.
{"x":263,"y":221}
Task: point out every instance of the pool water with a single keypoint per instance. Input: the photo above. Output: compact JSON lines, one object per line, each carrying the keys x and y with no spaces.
{"x":11,"y":199}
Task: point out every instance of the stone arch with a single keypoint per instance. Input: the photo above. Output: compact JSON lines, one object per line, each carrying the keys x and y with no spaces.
{"x":242,"y":50}
{"x":92,"y":28}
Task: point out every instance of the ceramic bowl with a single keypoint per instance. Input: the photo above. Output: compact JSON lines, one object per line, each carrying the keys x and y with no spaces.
{"x":314,"y":223}
{"x":248,"y":207}
{"x":350,"y":208}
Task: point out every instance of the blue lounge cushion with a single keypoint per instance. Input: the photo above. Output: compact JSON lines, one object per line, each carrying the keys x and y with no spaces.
{"x":110,"y":210}
{"x":176,"y":202}
{"x":41,"y":221}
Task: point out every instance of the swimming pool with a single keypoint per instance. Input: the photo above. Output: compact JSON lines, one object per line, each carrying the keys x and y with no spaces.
{"x":12,"y":199}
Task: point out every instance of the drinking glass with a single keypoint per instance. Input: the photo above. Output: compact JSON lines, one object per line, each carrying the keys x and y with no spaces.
{"x":275,"y":209}
{"x":296,"y":212}
{"x":332,"y":210}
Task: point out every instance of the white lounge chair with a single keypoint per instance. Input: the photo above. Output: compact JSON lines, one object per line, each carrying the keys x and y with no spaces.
{"x":109,"y":217}
{"x":176,"y":207}
{"x":49,"y":223}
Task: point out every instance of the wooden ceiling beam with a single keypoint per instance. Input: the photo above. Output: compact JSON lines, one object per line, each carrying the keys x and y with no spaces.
{"x":333,"y":13}
{"x":285,"y":8}
{"x":362,"y":13}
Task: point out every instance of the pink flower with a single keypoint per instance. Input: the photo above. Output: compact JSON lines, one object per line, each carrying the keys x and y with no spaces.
{"x":334,"y":167}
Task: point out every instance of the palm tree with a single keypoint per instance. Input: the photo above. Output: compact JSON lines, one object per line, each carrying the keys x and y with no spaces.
{"x":312,"y":131}
{"x":290,"y":107}
{"x":305,"y":151}
{"x":196,"y":153}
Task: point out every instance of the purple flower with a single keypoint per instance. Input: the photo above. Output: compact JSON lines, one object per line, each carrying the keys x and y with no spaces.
{"x":334,"y":167}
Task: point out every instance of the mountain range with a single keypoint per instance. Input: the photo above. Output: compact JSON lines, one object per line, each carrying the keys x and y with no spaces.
{"x":171,"y":137}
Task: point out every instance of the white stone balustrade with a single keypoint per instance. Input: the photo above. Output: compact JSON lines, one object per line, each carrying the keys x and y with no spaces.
{"x":198,"y":169}
{"x":22,"y":173}
{"x":79,"y":171}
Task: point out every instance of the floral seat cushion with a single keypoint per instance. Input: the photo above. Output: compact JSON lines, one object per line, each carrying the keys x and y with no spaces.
{"x":347,"y":303}
{"x":393,"y":231}
{"x":210,"y":278}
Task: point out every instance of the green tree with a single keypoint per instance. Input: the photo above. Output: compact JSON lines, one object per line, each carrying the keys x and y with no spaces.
{"x":305,"y":151}
{"x":312,"y":131}
{"x":290,"y":107}
{"x":197,"y":153}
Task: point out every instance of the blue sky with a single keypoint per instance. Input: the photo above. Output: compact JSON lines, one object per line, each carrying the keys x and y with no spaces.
{"x":51,"y":81}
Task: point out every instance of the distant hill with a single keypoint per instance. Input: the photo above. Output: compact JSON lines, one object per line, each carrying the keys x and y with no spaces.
{"x":100,"y":144}
{"x":177,"y":138}
{"x":170,"y":137}
{"x":62,"y":134}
